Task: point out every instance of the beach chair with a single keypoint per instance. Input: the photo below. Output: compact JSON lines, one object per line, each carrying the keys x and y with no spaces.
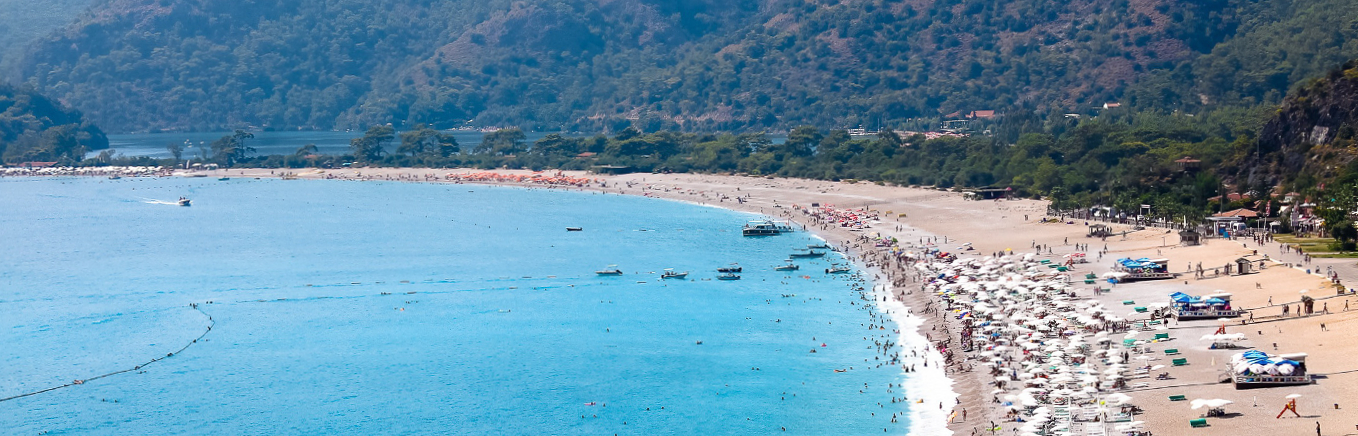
{"x":1162,"y":336}
{"x":1180,"y":362}
{"x":1198,"y":423}
{"x":1171,"y":351}
{"x":1178,"y":398}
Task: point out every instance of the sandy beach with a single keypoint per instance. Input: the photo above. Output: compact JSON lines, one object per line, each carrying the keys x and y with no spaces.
{"x":914,"y":214}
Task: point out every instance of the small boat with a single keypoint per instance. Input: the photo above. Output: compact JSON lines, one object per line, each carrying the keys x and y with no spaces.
{"x":184,"y":201}
{"x":574,"y":229}
{"x":728,"y":276}
{"x":223,"y":179}
{"x":114,"y":177}
{"x":820,"y":245}
{"x":612,"y":270}
{"x":730,"y":269}
{"x":838,"y":269}
{"x":787,"y":267}
{"x":807,"y":253}
{"x":670,"y":274}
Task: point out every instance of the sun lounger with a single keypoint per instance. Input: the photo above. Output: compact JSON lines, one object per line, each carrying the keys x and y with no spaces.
{"x":1139,"y":309}
{"x":1198,"y":423}
{"x":1162,"y":336}
{"x":1141,"y":385}
{"x":1128,"y":302}
{"x":1180,"y":362}
{"x":1171,"y":351}
{"x":1089,"y":282}
{"x":1178,"y":398}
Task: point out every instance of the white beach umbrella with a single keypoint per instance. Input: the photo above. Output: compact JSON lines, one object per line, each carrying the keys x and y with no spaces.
{"x":1117,"y":399}
{"x":1211,"y":404}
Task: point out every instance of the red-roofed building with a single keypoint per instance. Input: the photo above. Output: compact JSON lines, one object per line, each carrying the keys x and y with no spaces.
{"x":1188,"y":163}
{"x":1238,"y":213}
{"x":1229,"y":197}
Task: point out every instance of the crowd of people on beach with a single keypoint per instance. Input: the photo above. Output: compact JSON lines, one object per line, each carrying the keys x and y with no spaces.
{"x":1053,"y":359}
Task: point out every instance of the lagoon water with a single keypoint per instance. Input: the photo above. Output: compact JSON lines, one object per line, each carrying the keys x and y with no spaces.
{"x":492,"y":321}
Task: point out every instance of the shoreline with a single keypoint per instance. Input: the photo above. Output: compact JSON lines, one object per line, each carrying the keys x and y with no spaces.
{"x":995,"y":227}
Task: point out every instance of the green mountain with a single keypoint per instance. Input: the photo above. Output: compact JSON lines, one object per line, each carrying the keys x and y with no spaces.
{"x":1313,"y":136}
{"x":34,"y":128}
{"x":23,"y":21}
{"x":136,"y":65}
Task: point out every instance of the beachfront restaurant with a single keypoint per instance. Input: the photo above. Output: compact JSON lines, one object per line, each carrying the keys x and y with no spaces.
{"x":1216,"y":305}
{"x":1256,"y":369}
{"x":1143,"y":268}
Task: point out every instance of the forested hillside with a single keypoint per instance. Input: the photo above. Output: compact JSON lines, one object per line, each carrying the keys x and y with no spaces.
{"x":1277,"y":44}
{"x":1313,"y":137}
{"x":137,"y":65}
{"x":34,"y":128}
{"x":22,"y":21}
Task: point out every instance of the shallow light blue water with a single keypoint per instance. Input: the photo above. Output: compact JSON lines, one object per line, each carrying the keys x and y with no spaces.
{"x":502,"y":327}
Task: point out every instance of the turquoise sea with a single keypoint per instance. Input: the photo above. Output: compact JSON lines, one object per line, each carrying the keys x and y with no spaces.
{"x":358,"y":308}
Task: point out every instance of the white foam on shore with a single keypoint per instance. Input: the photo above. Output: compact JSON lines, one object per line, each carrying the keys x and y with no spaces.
{"x":931,"y":383}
